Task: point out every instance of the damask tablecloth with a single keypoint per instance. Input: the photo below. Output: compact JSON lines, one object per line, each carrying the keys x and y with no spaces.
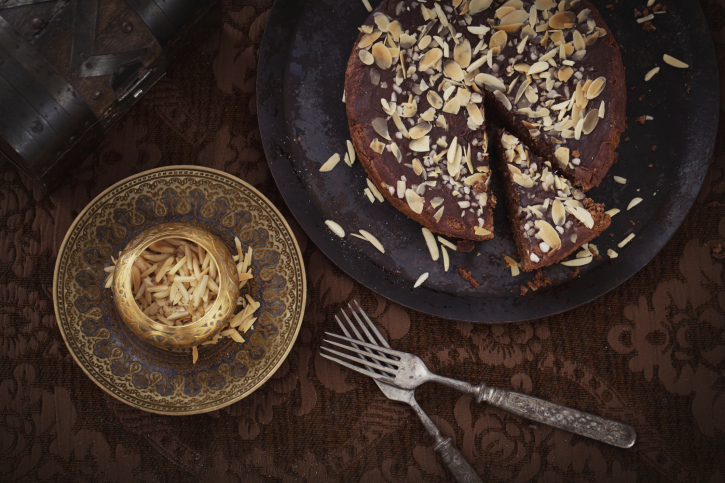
{"x":650,"y":353}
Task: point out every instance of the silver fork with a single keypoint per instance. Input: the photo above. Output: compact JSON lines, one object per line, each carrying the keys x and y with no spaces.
{"x":408,"y":371}
{"x":461,"y":470}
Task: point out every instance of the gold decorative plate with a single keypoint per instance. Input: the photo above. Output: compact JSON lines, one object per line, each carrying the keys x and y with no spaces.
{"x":166,"y":381}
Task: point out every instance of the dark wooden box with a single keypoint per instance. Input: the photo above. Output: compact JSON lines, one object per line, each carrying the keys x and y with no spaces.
{"x":70,"y":69}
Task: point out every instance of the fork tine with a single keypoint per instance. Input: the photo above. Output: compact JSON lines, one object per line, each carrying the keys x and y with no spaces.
{"x":357,"y":360}
{"x":362,"y":326}
{"x":361,"y":352}
{"x":375,"y":330}
{"x":358,"y":369}
{"x":354,"y":329}
{"x":375,"y":347}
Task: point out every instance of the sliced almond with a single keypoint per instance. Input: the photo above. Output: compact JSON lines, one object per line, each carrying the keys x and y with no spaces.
{"x":399,"y":124}
{"x":382,"y":56}
{"x":515,"y":17}
{"x":415,"y":202}
{"x":538,"y":68}
{"x":562,"y":20}
{"x":452,"y":106}
{"x":462,"y":53}
{"x":368,"y":39}
{"x":330,"y":163}
{"x":501,"y":97}
{"x":335,"y":228}
{"x":578,"y":262}
{"x":578,"y":41}
{"x":382,"y":21}
{"x":395,"y":30}
{"x":430,"y":59}
{"x":420,"y":130}
{"x":350,"y":151}
{"x":374,"y":190}
{"x":581,"y":214}
{"x":596,"y":87}
{"x":548,"y":234}
{"x":669,"y":60}
{"x":612,"y":254}
{"x":421,"y":145}
{"x":475,"y":113}
{"x":498,"y":39}
{"x":434,"y":99}
{"x":381,"y":127}
{"x":476,"y":6}
{"x":438,"y":214}
{"x":452,"y":70}
{"x":432,"y":245}
{"x":478,"y":231}
{"x":620,"y":180}
{"x":366,"y":57}
{"x":490,"y":82}
{"x":564,"y":73}
{"x":558,"y":213}
{"x":544,"y":5}
{"x":377,"y":146}
{"x":446,"y":260}
{"x":590,"y":121}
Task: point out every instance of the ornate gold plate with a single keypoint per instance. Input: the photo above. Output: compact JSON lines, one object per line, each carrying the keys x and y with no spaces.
{"x":165,"y":381}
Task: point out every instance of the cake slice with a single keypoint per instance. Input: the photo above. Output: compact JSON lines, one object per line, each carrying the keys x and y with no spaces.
{"x":419,"y":127}
{"x":549,"y":218}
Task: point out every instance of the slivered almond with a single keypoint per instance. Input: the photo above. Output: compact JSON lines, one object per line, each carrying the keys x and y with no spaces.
{"x":477,"y":230}
{"x":335,"y":228}
{"x":633,"y":203}
{"x":612,"y":253}
{"x":620,"y":180}
{"x":446,"y":260}
{"x":423,"y":277}
{"x":669,"y":60}
{"x":626,"y":240}
{"x":651,"y":74}
{"x":432,"y":245}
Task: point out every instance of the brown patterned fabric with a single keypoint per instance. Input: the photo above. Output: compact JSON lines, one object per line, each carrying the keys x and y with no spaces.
{"x":650,"y":353}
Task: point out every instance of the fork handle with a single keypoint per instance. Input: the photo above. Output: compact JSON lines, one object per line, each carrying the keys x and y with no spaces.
{"x":461,"y":469}
{"x":562,"y":417}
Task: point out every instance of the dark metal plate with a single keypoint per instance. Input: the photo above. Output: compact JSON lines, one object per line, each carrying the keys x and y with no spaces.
{"x":302,"y":120}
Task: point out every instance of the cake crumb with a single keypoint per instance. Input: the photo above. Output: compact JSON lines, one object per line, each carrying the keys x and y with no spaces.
{"x":574,"y":273}
{"x":654,"y":147}
{"x":641,"y":98}
{"x":523,"y":289}
{"x":641,"y":119}
{"x":649,"y":165}
{"x":715,"y":204}
{"x":467,"y":276}
{"x":717,"y":251}
{"x":465,"y":246}
{"x":648,"y":27}
{"x":539,"y":281}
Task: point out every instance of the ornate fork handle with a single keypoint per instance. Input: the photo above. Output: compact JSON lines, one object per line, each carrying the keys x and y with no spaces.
{"x":547,"y":412}
{"x":562,"y":417}
{"x":461,"y":470}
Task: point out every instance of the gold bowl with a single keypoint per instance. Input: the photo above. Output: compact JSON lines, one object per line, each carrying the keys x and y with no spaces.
{"x":184,"y":336}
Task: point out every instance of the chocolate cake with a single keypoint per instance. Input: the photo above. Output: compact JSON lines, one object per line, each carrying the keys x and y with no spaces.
{"x":549,"y":217}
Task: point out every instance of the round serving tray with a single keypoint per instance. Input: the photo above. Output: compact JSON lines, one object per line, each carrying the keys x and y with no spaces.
{"x":165,"y":381}
{"x":302,"y":119}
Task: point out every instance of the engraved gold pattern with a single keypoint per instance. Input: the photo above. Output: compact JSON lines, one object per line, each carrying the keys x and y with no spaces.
{"x":165,"y":381}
